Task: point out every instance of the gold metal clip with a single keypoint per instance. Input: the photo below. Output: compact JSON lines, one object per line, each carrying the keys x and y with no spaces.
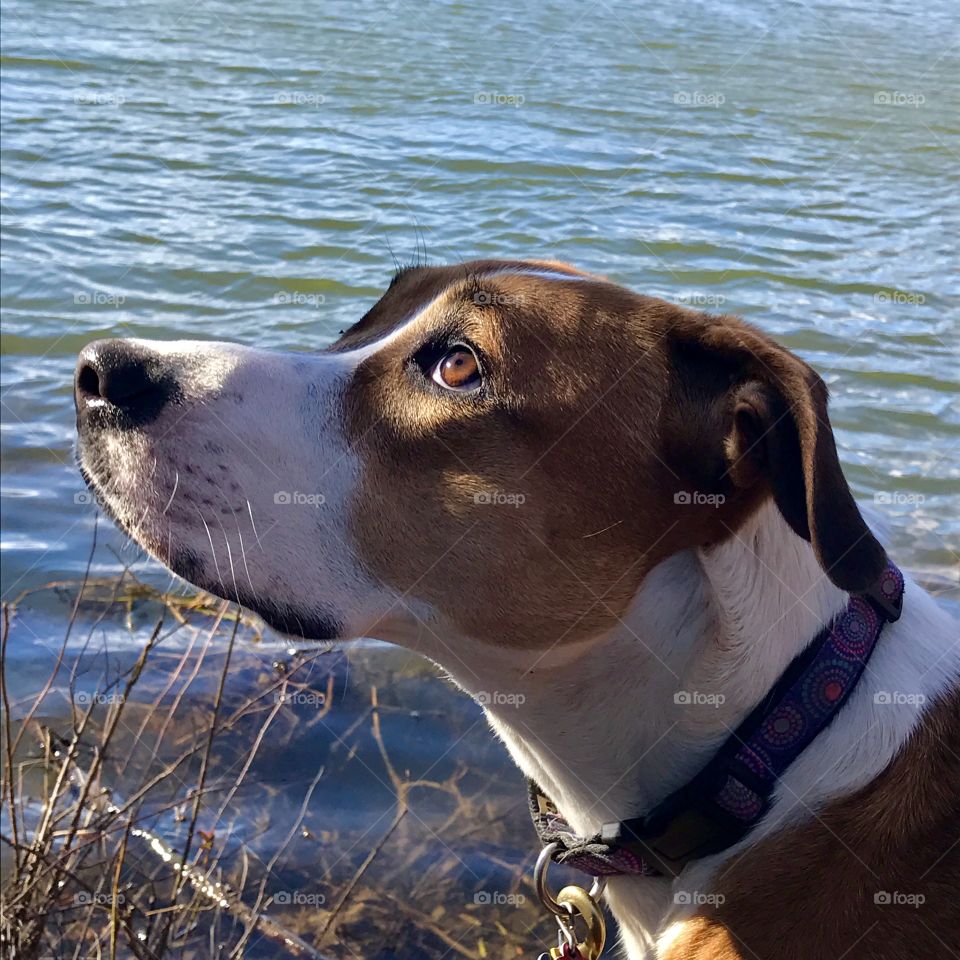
{"x":582,"y":906}
{"x":572,"y":904}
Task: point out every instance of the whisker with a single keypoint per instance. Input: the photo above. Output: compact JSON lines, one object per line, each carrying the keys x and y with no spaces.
{"x":212,"y":551}
{"x":136,"y":527}
{"x":176,"y":483}
{"x":252,"y":524}
{"x":173,"y":576}
{"x":243,"y":556}
{"x":597,"y":533}
{"x":236,"y":591}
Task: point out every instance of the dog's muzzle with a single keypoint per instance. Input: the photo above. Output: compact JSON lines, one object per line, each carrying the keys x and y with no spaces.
{"x":201,"y":477}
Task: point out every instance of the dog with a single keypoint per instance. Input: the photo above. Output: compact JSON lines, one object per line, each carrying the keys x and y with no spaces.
{"x":616,"y":522}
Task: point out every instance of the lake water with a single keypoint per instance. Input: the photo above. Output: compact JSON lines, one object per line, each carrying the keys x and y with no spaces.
{"x":250,"y":172}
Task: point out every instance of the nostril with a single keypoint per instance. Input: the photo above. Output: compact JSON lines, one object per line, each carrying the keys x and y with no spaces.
{"x":127,"y":382}
{"x":88,"y":381}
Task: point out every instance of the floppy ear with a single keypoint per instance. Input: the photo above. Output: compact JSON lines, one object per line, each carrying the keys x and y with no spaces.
{"x":779,"y":433}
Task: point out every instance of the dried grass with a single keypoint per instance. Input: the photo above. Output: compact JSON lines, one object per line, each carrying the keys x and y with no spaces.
{"x":133,"y":827}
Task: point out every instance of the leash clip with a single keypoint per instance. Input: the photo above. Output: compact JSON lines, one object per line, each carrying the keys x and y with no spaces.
{"x":572,"y":903}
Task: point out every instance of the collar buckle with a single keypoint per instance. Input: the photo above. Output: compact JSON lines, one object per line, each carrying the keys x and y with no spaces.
{"x":669,"y":844}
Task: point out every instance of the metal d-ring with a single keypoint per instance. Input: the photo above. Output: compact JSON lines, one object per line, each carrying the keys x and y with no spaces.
{"x":540,"y":882}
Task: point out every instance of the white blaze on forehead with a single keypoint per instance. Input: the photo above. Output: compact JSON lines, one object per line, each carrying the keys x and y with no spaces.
{"x":547,"y":274}
{"x":359,"y":354}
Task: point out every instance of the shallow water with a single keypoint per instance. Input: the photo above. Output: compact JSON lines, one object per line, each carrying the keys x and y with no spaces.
{"x":251,"y":172}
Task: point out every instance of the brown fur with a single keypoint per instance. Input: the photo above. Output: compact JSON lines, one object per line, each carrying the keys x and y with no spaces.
{"x":808,"y":893}
{"x":600,"y":405}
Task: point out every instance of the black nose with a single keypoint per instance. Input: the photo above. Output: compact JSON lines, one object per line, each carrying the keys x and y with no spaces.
{"x":123,"y":378}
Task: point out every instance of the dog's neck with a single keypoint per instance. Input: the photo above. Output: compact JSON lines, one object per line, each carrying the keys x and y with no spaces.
{"x":598,"y":724}
{"x":609,"y":727}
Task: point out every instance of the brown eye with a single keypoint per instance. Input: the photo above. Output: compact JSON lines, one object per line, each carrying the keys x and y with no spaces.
{"x":458,"y":370}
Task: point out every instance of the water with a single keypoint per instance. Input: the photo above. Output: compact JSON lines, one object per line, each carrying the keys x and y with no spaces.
{"x":215,"y":171}
{"x":251,"y":171}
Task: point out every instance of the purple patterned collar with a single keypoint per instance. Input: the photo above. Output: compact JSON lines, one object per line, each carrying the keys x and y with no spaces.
{"x":723,"y":802}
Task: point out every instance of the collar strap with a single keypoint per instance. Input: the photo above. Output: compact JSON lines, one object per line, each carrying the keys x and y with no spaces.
{"x":728,"y":797}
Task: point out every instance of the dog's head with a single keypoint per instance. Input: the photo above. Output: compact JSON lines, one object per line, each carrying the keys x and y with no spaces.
{"x":500,"y":448}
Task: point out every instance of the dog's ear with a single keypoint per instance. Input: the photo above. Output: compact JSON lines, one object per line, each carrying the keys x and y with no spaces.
{"x":777,"y":432}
